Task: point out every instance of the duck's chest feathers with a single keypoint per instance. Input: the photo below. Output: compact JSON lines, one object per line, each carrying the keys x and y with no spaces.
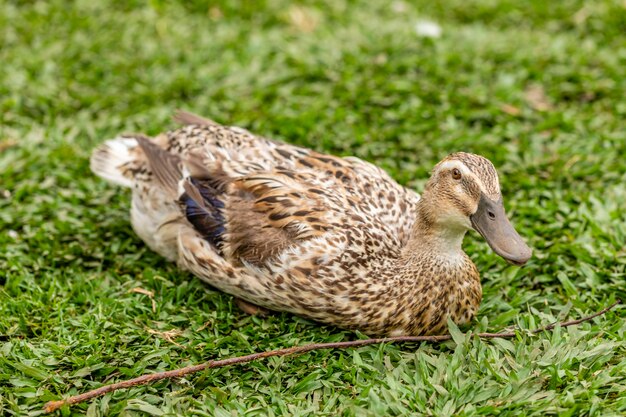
{"x":435,"y":289}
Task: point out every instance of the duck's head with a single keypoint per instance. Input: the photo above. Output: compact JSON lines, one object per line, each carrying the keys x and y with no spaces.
{"x":466,"y":194}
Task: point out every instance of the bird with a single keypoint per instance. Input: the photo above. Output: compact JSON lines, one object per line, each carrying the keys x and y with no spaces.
{"x":284,"y":228}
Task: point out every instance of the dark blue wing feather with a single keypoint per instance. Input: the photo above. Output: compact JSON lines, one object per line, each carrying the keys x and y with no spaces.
{"x":203,"y":209}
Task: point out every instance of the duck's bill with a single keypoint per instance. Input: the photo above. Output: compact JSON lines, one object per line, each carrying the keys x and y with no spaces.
{"x":491,"y":222}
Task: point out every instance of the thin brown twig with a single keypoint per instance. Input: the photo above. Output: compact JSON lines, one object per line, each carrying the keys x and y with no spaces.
{"x":178,"y":373}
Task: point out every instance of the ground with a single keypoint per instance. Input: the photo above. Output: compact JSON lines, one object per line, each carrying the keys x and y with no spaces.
{"x":538,"y":87}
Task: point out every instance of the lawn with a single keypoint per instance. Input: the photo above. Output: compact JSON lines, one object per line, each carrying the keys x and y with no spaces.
{"x":538,"y":87}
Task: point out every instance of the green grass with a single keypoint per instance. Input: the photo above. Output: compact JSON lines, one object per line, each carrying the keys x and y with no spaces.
{"x":537,"y":87}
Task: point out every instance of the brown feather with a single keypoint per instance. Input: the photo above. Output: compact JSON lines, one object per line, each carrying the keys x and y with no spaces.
{"x":249,"y":238}
{"x":187,"y":118}
{"x":194,"y":194}
{"x":267,"y":214}
{"x":164,"y":165}
{"x":197,"y":168}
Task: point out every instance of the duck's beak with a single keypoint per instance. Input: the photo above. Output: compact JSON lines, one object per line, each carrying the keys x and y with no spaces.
{"x":491,"y":222}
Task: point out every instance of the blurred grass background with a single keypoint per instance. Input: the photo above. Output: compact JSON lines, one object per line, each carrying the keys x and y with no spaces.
{"x":538,"y":87}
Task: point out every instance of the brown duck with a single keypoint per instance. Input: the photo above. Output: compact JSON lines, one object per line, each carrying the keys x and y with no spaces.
{"x":333,"y":239}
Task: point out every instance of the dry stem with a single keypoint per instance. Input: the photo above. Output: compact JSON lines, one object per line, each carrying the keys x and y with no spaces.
{"x":177,"y":373}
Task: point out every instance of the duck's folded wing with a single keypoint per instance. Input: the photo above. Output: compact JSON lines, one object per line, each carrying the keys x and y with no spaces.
{"x":257,"y":217}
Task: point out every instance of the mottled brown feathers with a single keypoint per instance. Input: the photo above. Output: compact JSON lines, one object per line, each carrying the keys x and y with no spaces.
{"x":269,"y":213}
{"x":289,"y":229}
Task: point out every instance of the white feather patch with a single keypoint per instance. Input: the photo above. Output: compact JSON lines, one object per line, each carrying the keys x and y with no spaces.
{"x":108,"y":157}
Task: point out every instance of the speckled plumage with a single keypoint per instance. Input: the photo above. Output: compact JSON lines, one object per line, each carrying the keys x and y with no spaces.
{"x":289,"y":229}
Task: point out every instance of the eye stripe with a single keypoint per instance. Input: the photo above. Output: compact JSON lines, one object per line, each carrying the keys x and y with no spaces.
{"x":485,"y":177}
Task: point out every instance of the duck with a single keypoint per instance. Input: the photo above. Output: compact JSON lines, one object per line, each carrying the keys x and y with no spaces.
{"x":333,"y":239}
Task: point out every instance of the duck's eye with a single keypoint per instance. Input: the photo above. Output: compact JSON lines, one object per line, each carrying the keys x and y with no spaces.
{"x":456,"y":174}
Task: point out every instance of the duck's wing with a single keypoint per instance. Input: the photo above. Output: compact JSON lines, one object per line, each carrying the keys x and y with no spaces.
{"x":254,"y":218}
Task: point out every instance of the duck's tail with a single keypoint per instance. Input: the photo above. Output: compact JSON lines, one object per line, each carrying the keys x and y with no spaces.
{"x":139,"y":163}
{"x":112,"y":159}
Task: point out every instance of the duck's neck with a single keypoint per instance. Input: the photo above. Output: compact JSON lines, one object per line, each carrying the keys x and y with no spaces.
{"x":433,"y":234}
